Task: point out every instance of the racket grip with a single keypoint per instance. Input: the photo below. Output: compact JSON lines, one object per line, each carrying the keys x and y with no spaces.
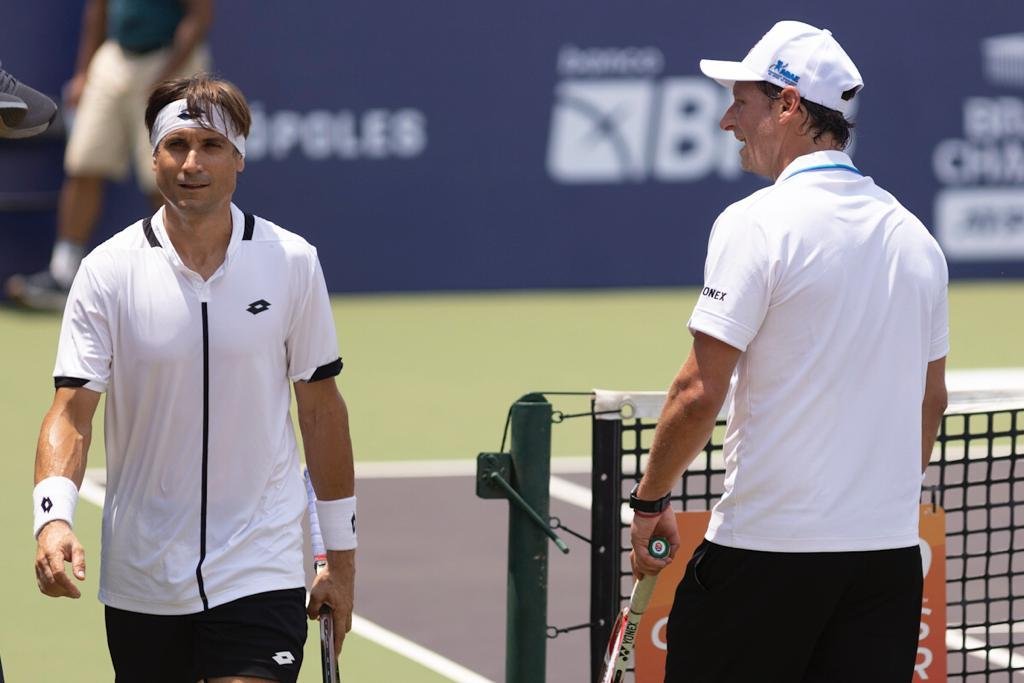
{"x":641,"y":596}
{"x":315,"y":537}
{"x":659,"y":548}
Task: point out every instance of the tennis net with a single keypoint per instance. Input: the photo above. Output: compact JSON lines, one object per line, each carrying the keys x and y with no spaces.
{"x":976,"y":475}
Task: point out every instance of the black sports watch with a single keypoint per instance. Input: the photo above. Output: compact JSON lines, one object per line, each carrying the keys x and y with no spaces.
{"x":649,"y":506}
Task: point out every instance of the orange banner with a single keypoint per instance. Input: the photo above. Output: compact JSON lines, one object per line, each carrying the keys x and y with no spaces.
{"x":931,"y":653}
{"x":931,"y":648}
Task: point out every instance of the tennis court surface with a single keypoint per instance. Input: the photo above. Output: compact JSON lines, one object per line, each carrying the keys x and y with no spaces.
{"x":436,"y":592}
{"x":432,"y":562}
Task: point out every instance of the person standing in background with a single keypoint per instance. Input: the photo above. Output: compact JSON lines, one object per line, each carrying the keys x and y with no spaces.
{"x":126,"y":47}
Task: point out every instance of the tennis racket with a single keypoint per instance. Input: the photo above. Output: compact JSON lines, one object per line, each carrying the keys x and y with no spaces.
{"x":623,"y":640}
{"x":328,"y":658}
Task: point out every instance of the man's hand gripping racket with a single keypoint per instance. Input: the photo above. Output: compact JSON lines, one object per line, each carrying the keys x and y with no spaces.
{"x":623,"y":640}
{"x":328,"y":656}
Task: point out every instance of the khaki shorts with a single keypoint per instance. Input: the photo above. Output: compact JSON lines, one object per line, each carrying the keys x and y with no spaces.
{"x":109,"y":131}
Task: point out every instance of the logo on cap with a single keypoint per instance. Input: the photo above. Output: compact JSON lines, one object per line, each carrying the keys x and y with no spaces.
{"x":185,"y":116}
{"x":780,"y":70}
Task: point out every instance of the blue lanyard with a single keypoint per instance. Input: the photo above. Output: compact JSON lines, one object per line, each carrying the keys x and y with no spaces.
{"x":826,"y":167}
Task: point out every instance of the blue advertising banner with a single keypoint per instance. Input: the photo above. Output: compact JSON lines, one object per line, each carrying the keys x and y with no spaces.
{"x":467,"y":144}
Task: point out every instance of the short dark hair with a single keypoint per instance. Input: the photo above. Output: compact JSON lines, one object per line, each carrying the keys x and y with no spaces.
{"x":823,"y":119}
{"x":203,"y":92}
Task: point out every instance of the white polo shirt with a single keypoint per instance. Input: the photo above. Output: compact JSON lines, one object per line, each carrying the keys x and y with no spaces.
{"x":204,"y":492}
{"x":836,"y":294}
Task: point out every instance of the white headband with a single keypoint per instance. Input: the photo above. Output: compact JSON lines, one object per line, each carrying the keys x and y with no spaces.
{"x":175,"y":117}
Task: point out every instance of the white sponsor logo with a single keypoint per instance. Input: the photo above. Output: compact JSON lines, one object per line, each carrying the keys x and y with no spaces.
{"x":992,"y":149}
{"x":600,"y":61}
{"x":980,"y":224}
{"x":926,"y":556}
{"x":284,"y":657}
{"x":1003,"y":58}
{"x":980,"y":214}
{"x":320,"y":135}
{"x":925,"y":656}
{"x":615,"y":121}
{"x":658,"y":636}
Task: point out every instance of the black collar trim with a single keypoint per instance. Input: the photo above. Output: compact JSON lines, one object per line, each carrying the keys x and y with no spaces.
{"x":147,"y":227}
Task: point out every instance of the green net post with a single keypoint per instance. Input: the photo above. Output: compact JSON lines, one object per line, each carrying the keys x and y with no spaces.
{"x":526,"y":646}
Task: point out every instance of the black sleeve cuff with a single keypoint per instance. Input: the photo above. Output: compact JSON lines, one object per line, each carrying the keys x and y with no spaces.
{"x":68,"y":382}
{"x":331,"y":369}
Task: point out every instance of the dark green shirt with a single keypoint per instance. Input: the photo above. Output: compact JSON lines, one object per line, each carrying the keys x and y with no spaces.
{"x":143,"y":25}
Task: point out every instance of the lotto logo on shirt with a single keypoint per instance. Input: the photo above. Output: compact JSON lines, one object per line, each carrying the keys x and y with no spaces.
{"x":616,"y":120}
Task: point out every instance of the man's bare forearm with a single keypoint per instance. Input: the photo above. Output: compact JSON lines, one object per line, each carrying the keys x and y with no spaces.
{"x":63,"y":446}
{"x":328,"y":444}
{"x":685,"y":425}
{"x":691,"y":410}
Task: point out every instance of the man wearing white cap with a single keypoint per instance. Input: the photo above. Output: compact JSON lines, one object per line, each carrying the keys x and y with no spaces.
{"x":827,"y":300}
{"x":195,"y":321}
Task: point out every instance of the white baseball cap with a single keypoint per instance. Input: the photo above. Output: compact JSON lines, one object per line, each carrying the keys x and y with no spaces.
{"x":797,"y":54}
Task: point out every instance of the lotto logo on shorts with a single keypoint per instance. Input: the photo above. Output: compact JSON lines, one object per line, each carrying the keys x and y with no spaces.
{"x":284,"y":657}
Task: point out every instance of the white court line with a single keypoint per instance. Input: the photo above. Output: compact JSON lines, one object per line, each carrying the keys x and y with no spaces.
{"x":1016,"y":627}
{"x":571,"y":492}
{"x":417,"y":653}
{"x":91,"y":491}
{"x":455,"y":467}
{"x":574,"y":494}
{"x":95,"y":494}
{"x":996,"y":656}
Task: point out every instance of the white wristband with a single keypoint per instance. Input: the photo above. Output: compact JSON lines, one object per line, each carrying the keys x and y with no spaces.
{"x":338,"y":523}
{"x":53,"y":498}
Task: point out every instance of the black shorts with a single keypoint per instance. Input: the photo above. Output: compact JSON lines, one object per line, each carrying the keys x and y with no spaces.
{"x":840,"y":617}
{"x":259,"y":635}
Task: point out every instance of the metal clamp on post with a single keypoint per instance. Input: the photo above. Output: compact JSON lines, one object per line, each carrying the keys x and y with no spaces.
{"x":492,"y":473}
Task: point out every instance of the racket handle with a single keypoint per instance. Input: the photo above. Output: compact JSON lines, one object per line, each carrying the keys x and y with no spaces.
{"x":659,"y":549}
{"x":620,"y":650}
{"x":328,"y":658}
